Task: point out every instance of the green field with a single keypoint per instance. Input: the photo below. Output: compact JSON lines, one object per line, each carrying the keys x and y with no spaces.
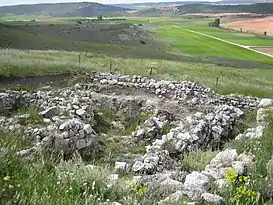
{"x":195,"y":44}
{"x":198,"y":45}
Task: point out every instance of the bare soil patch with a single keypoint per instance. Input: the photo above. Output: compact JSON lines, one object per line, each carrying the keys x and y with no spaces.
{"x":258,"y":26}
{"x":268,"y":50}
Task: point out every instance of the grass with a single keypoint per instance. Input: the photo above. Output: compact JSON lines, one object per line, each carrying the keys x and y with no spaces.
{"x":67,"y":37}
{"x":32,"y":116}
{"x":236,"y":37}
{"x":254,"y":82}
{"x":190,"y":43}
{"x":44,"y":181}
{"x":197,"y":160}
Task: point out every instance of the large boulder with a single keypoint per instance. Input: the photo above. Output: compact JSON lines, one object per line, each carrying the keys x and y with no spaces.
{"x":195,"y":184}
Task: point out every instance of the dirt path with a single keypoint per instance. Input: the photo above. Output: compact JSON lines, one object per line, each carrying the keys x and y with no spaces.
{"x":265,"y":49}
{"x":61,"y":80}
{"x":229,"y":42}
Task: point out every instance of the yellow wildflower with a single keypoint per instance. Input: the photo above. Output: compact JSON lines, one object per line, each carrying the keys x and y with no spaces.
{"x":6,"y":178}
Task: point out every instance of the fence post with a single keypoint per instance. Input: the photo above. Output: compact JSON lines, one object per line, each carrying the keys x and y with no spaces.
{"x":110,"y":66}
{"x":79,"y":60}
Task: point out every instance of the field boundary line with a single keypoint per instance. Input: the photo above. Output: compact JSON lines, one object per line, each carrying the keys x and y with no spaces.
{"x":229,"y":42}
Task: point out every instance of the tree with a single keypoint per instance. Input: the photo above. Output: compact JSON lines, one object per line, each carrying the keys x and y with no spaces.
{"x":100,"y":18}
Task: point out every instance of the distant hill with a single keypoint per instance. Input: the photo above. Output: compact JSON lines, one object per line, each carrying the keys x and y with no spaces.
{"x":148,"y":5}
{"x":64,"y":9}
{"x":139,"y":6}
{"x":259,"y":8}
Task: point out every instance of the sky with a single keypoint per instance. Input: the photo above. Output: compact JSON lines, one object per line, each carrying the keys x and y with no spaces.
{"x":14,"y":2}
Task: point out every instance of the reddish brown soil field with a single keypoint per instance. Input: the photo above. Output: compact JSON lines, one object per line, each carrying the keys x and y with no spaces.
{"x":268,"y":50}
{"x":258,"y":26}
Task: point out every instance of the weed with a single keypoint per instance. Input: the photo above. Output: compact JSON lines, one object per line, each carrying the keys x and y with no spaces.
{"x":166,"y":129}
{"x":138,"y":190}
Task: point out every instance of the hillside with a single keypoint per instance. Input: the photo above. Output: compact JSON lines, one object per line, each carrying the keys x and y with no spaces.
{"x":63,"y":9}
{"x":260,"y":8}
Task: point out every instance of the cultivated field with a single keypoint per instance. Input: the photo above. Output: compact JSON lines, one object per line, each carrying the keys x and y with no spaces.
{"x":257,"y":26}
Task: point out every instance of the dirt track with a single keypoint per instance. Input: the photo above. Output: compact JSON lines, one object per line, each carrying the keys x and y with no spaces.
{"x":268,"y":50}
{"x":258,"y":26}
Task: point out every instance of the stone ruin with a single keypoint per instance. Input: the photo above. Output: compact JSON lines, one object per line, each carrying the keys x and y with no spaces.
{"x":196,"y":118}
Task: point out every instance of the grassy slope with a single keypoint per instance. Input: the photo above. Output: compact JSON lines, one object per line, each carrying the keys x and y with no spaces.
{"x":13,"y":38}
{"x":255,"y":82}
{"x":195,"y":44}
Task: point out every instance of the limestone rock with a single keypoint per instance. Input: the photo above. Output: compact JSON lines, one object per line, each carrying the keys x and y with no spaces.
{"x":195,"y":184}
{"x":212,"y":199}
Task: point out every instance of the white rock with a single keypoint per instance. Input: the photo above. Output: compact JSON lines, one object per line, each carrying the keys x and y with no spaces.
{"x":120,"y":166}
{"x":195,"y":184}
{"x":173,"y":197}
{"x":198,"y":115}
{"x":212,"y":198}
{"x":81,"y":144}
{"x":238,"y":166}
{"x":50,"y":112}
{"x":265,"y":102}
{"x":185,"y":137}
{"x":225,"y":157}
{"x":80,"y":112}
{"x":87,"y":129}
{"x":138,"y":166}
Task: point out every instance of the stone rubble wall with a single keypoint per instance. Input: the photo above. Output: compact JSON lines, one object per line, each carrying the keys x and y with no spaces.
{"x":12,"y":100}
